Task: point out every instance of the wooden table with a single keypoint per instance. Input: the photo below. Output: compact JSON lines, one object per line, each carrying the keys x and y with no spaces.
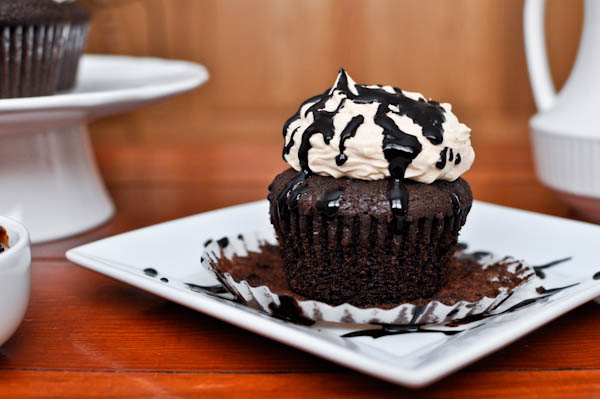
{"x":87,"y":336}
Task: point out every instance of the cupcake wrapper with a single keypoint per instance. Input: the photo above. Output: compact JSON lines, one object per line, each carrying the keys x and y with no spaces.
{"x":344,"y":247}
{"x":263,"y":299}
{"x":31,"y":59}
{"x":73,"y":50}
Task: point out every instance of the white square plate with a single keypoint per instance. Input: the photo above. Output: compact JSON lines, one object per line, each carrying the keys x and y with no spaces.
{"x":411,"y":359}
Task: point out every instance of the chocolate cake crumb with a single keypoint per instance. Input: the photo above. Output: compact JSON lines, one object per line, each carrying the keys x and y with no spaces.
{"x":468,"y":280}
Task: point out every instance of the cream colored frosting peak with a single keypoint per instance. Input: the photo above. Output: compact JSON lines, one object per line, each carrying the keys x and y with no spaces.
{"x":358,"y":142}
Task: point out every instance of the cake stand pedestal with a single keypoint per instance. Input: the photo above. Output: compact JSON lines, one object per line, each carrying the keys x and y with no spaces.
{"x":48,"y":175}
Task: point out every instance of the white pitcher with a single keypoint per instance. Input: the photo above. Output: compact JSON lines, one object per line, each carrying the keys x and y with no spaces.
{"x":566,"y":129}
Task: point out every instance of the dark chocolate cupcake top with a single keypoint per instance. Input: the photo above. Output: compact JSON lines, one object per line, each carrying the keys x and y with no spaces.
{"x":41,"y":12}
{"x":353,"y":197}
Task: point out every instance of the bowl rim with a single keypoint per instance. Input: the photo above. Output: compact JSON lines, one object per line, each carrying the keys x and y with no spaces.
{"x":23,"y":242}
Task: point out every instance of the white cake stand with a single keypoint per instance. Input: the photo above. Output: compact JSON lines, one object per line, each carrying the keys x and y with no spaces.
{"x":48,"y":175}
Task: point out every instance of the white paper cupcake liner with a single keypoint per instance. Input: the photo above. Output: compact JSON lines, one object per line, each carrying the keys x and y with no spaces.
{"x":263,"y":299}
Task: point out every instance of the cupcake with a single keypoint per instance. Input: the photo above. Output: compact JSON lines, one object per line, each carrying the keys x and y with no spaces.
{"x":370,"y":211}
{"x":42,"y":41}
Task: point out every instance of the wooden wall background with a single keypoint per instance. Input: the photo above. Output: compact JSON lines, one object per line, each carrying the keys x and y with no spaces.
{"x":266,"y":56}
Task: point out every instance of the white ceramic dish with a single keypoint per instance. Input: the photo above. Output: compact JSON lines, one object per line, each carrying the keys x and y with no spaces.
{"x":47,"y":169}
{"x":403,"y":356}
{"x":15,"y":276}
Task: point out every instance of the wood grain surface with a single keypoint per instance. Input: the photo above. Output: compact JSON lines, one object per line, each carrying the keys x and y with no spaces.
{"x":266,"y":56}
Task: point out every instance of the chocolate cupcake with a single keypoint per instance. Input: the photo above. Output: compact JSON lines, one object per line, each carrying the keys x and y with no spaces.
{"x":371,"y":210}
{"x":42,"y":41}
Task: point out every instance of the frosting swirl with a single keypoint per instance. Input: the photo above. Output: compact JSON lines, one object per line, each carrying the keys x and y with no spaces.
{"x":374,"y":132}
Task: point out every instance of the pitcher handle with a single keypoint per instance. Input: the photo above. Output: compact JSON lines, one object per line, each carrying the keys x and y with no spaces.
{"x":544,"y":92}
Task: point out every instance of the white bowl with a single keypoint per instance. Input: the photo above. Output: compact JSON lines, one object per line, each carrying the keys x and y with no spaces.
{"x":15,"y":277}
{"x":570,"y":166}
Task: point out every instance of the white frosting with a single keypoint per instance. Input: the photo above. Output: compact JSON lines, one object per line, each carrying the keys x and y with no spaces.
{"x":364,"y":151}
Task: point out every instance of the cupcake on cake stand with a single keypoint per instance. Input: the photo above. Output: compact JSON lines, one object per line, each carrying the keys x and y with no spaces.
{"x":48,"y":175}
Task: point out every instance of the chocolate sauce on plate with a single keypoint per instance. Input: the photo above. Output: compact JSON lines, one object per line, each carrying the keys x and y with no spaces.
{"x":150,"y":272}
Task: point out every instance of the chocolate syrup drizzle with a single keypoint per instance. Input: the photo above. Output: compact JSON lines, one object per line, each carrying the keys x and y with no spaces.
{"x":539,"y":269}
{"x":399,"y":148}
{"x":441,"y":164}
{"x":150,"y":272}
{"x":348,"y":132}
{"x":330,"y":202}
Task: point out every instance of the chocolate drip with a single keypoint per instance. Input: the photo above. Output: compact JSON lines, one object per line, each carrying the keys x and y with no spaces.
{"x":330,"y":202}
{"x":541,"y":274}
{"x":150,"y":272}
{"x":292,"y":202}
{"x":290,"y":144}
{"x":289,"y":310}
{"x":451,"y":155}
{"x":207,"y":242}
{"x":348,"y":132}
{"x":441,"y":164}
{"x":399,"y":202}
{"x":322,"y":124}
{"x":223,"y":242}
{"x":457,"y":160}
{"x":289,"y":191}
{"x":455,"y":203}
{"x":213,"y":289}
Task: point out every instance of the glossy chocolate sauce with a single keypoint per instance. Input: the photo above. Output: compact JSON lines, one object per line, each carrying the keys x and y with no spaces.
{"x":330,"y":202}
{"x":455,"y":198}
{"x":539,"y":269}
{"x":150,"y":272}
{"x":210,"y":289}
{"x":393,"y":329}
{"x":441,"y":164}
{"x":348,"y":132}
{"x":290,"y":191}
